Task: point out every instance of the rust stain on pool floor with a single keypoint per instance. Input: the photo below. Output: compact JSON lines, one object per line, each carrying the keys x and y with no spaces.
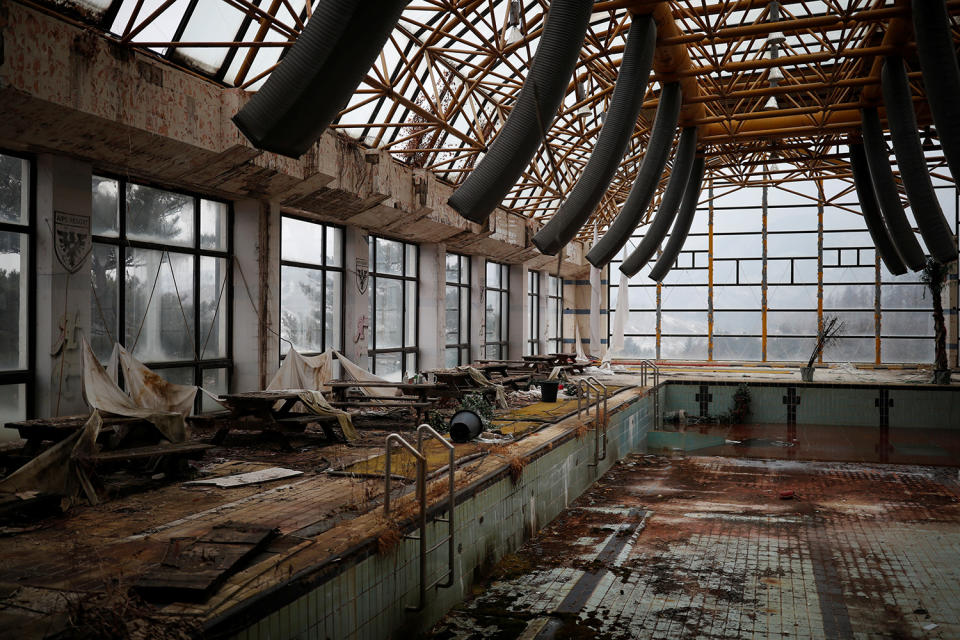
{"x":706,"y":548}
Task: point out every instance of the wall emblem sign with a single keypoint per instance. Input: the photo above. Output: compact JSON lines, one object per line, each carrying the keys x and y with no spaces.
{"x":363,"y":272}
{"x":71,"y":239}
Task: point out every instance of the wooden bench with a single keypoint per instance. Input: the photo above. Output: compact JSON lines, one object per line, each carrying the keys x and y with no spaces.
{"x":262,"y":407}
{"x":40,"y":430}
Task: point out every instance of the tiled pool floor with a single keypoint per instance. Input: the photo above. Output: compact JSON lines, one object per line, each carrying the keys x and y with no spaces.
{"x":706,"y":548}
{"x":817,"y":442}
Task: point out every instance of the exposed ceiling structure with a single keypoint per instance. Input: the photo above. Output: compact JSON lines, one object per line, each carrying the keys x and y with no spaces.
{"x":775,"y":93}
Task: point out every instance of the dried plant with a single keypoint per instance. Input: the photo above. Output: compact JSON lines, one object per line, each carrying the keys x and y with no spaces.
{"x":830,"y":333}
{"x":516,"y":468}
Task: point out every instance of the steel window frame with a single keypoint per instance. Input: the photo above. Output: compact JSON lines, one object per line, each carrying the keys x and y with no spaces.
{"x":404,"y":349}
{"x":26,"y":376}
{"x":462,"y":344}
{"x":323,"y":267}
{"x":122,"y":243}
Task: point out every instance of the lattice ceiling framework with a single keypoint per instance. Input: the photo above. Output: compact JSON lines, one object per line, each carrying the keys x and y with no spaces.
{"x":445,"y":82}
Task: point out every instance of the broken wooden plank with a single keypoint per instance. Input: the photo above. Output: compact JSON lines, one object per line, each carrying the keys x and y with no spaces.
{"x":134,"y":453}
{"x":193,"y":571}
{"x":252,"y":477}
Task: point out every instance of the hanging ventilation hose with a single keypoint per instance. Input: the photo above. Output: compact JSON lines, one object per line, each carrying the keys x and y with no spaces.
{"x":614,"y":137}
{"x":885,"y":188}
{"x":319,"y":74}
{"x":871,"y":214}
{"x":648,"y":177}
{"x":941,"y":75}
{"x":913,"y":165}
{"x":531,"y":116}
{"x":682,"y":166}
{"x":681,"y":227}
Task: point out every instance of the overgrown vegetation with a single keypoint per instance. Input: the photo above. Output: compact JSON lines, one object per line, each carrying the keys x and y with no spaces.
{"x":476,"y":402}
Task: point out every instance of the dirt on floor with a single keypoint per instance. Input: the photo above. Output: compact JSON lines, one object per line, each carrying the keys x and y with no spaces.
{"x":729,"y":548}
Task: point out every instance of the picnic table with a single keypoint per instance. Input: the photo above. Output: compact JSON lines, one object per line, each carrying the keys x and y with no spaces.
{"x":544,"y":363}
{"x":494,"y":367}
{"x":121,"y":439}
{"x":457,"y":382}
{"x":54,"y":429}
{"x":272,"y":412}
{"x":415,"y":395}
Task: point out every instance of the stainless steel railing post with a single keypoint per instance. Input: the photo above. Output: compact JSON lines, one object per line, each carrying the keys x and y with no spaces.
{"x":449,"y":539}
{"x":606,"y":417}
{"x":421,"y":498}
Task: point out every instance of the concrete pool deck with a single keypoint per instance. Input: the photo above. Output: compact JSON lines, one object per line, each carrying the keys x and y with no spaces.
{"x":706,"y":548}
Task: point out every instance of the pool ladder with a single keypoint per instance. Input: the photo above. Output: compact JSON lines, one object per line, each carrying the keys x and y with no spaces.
{"x":425,"y":432}
{"x":648,"y":367}
{"x":584,"y":385}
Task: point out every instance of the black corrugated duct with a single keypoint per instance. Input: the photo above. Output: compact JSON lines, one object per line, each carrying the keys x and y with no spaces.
{"x":648,"y":177}
{"x":871,"y":214}
{"x":681,"y":227}
{"x":885,"y":187}
{"x":913,"y":165}
{"x":532,"y":115}
{"x":320,"y":72}
{"x":679,"y":177}
{"x":614,"y":137}
{"x":941,"y":75}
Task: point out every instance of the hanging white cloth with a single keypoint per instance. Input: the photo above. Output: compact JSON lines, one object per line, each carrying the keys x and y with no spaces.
{"x":303,"y":372}
{"x":149,"y":390}
{"x":102,"y":393}
{"x":353,"y":372}
{"x":581,"y":356}
{"x":616,"y":345}
{"x":596,"y":346}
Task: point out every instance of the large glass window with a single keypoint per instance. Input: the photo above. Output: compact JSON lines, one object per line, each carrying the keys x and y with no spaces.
{"x":161,"y":279}
{"x":748,"y":283}
{"x":311,"y":286}
{"x":393,"y":308}
{"x":457,"y":310}
{"x":496,"y":335}
{"x":16,"y":286}
{"x":554,"y":329}
{"x":533,"y":313}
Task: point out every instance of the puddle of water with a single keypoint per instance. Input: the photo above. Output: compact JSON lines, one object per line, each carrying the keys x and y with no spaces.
{"x":830,"y":443}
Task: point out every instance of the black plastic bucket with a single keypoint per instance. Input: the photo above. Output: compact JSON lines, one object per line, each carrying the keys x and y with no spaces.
{"x":548,"y":390}
{"x":465,"y":425}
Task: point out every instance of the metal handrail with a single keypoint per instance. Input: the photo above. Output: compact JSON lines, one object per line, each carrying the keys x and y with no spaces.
{"x":431,"y":433}
{"x":606,"y":417}
{"x":421,"y":469}
{"x":583,"y":385}
{"x":645,"y":366}
{"x":597,"y":422}
{"x":421,"y":498}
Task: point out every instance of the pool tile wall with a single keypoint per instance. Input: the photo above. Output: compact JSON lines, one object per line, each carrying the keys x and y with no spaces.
{"x":902,"y":406}
{"x":367,"y":598}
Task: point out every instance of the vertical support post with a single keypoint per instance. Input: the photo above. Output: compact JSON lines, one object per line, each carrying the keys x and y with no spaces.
{"x":710,"y":272}
{"x":763,"y":278}
{"x":820,"y":199}
{"x":877,"y":313}
{"x":659,"y":315}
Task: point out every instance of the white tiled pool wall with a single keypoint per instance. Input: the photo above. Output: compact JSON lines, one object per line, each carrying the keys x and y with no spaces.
{"x":854,"y":405}
{"x":368,"y":598}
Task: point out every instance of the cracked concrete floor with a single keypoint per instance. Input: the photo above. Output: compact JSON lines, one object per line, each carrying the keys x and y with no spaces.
{"x":705,"y":547}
